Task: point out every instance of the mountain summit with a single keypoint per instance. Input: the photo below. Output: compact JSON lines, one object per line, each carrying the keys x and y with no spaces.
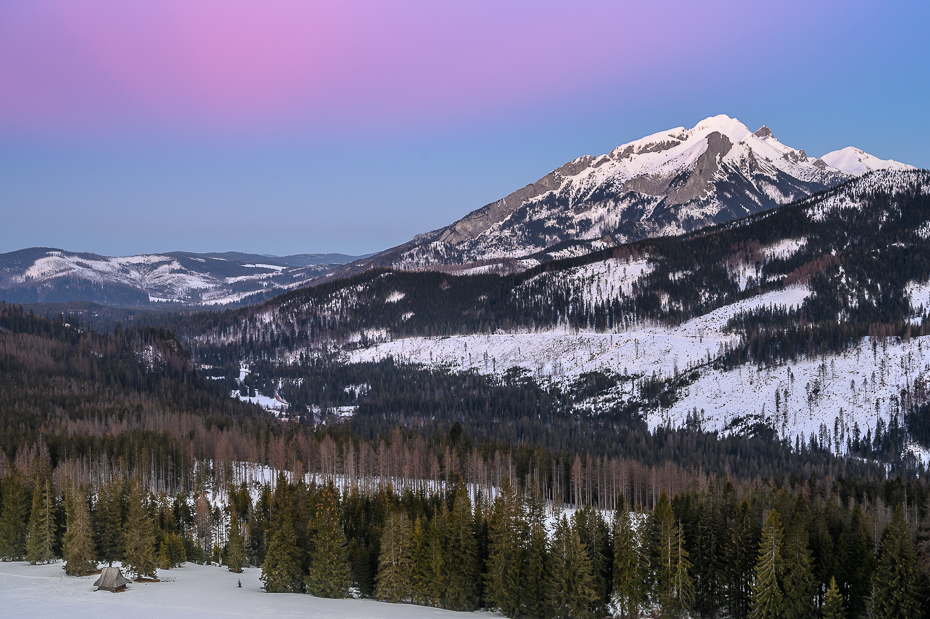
{"x":670,"y":182}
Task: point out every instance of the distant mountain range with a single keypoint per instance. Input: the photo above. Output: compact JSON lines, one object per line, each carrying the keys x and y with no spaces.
{"x":44,"y":275}
{"x":668,"y":183}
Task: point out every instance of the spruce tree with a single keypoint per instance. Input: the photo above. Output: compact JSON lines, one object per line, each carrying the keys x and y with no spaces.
{"x":895,"y":591}
{"x":14,"y":519}
{"x":629,"y":580}
{"x":573,"y":587}
{"x":43,"y":530}
{"x":329,"y":565}
{"x":235,"y":549}
{"x":661,"y":551}
{"x":536,"y":575}
{"x":798,"y":579}
{"x":505,"y":563}
{"x":856,"y":564}
{"x":281,"y":570}
{"x":421,"y":561}
{"x":438,"y":567}
{"x":679,"y":598}
{"x":174,"y":548}
{"x":462,"y":556}
{"x":108,"y":522}
{"x":163,"y":559}
{"x":739,"y":558}
{"x":396,"y":569}
{"x":833,"y":602}
{"x":767,"y":595}
{"x":596,"y":539}
{"x":139,"y":537}
{"x":673,"y":588}
{"x":79,"y":551}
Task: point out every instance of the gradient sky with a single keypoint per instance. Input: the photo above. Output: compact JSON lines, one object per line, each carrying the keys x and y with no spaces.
{"x":300,"y":126}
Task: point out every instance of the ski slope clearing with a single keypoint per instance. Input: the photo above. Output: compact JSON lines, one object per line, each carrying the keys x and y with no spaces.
{"x":38,"y":591}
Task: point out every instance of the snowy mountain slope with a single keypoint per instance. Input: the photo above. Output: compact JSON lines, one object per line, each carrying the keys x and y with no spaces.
{"x":824,"y":300}
{"x":851,"y":160}
{"x":53,"y":275}
{"x":667,"y":183}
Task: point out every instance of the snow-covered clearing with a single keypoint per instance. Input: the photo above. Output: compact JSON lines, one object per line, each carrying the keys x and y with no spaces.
{"x":565,"y":353}
{"x":825,"y":396}
{"x":269,"y":404}
{"x":600,"y":281}
{"x":37,"y":591}
{"x":838,"y":391}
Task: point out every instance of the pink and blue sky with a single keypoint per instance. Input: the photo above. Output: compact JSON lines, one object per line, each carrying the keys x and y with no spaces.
{"x":300,"y":126}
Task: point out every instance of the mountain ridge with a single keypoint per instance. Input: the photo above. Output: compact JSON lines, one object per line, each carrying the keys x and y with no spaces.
{"x":51,"y":275}
{"x":669,"y":182}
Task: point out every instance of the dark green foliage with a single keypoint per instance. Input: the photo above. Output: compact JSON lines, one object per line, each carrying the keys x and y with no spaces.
{"x":235,"y":550}
{"x":573,"y":584}
{"x":679,"y":598}
{"x":630,"y":564}
{"x":14,"y":518}
{"x":673,"y":588}
{"x":329,"y":565}
{"x":536,"y":573}
{"x":396,"y":565}
{"x":595,"y":536}
{"x":768,"y":598}
{"x":439,"y":567}
{"x":43,"y":530}
{"x":281,"y":569}
{"x":739,"y":559}
{"x":833,"y":602}
{"x":461,"y":562}
{"x":79,"y":552}
{"x":421,"y":562}
{"x":798,"y":580}
{"x":108,"y":521}
{"x":895,"y":592}
{"x":139,"y":538}
{"x":508,"y":537}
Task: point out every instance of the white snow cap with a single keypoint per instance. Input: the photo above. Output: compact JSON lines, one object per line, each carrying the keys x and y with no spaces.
{"x":852,"y":160}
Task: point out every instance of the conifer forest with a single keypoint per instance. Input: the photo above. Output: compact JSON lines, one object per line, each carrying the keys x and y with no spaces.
{"x":258,"y":437}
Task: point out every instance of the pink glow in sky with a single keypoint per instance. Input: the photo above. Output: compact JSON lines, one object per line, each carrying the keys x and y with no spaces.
{"x":288,"y":126}
{"x":251,"y":67}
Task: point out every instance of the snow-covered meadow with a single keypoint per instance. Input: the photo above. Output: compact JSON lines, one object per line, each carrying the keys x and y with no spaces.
{"x":38,"y":591}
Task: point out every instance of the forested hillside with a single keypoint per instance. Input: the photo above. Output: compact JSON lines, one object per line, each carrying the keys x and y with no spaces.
{"x":390,"y":467}
{"x":647,"y":334}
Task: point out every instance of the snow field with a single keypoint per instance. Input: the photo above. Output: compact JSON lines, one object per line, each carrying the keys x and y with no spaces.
{"x":195,"y":591}
{"x":837,"y":391}
{"x":600,"y":281}
{"x":566,"y":354}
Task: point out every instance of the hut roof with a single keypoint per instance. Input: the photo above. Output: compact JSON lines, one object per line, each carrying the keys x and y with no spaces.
{"x":111,"y":579}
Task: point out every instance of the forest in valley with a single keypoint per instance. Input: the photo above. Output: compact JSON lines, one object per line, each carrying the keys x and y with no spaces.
{"x":857,"y":262}
{"x":119,"y":441}
{"x":115,"y":448}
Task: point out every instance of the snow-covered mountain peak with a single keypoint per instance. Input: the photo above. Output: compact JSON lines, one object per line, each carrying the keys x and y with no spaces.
{"x":853,"y":161}
{"x":667,"y":183}
{"x":724,"y":125}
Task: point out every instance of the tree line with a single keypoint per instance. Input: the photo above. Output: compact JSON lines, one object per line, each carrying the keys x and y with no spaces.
{"x":718,"y":548}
